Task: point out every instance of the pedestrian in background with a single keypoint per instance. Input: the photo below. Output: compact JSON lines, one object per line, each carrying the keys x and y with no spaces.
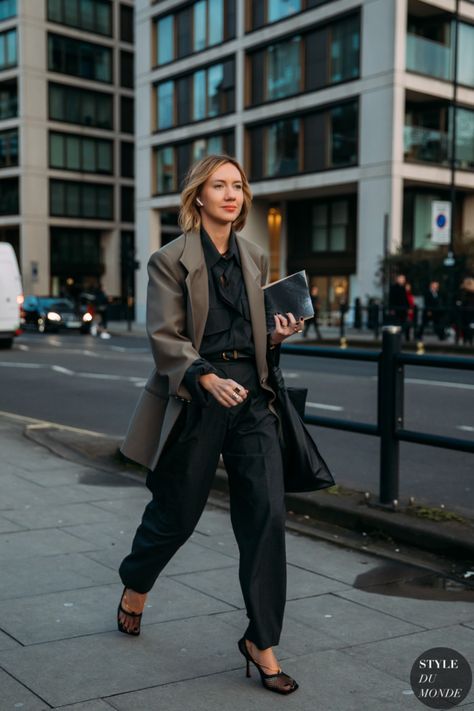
{"x":432,"y":311}
{"x":101,"y":303}
{"x":208,"y":394}
{"x":467,"y":310}
{"x":315,"y":320}
{"x":398,"y":303}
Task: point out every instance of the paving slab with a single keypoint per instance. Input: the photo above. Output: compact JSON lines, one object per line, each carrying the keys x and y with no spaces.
{"x":97,"y":705}
{"x":113,"y":663}
{"x":44,"y":542}
{"x":132,"y":507}
{"x":327,"y":681}
{"x":92,"y":610}
{"x":15,"y":696}
{"x":52,"y":574}
{"x":425,"y":612}
{"x":6,"y":642}
{"x":396,"y":655}
{"x":300,"y":583}
{"x":7,"y":525}
{"x":55,"y":515}
{"x":346,"y":622}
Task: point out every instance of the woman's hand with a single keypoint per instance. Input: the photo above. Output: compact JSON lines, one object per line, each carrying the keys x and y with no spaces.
{"x":225,"y":390}
{"x":285,"y":325}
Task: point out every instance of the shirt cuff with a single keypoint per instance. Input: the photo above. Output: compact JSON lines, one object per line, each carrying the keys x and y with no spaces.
{"x":191,"y":381}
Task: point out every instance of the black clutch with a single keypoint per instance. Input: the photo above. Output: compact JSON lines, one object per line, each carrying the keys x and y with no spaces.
{"x":303,"y":466}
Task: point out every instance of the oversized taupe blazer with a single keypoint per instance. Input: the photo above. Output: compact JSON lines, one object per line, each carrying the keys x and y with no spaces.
{"x":176,"y":314}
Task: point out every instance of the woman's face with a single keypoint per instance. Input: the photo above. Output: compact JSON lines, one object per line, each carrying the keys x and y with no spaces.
{"x":222,"y":195}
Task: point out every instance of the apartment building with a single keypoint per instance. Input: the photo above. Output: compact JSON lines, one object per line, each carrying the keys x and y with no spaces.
{"x":340,"y":110}
{"x":66,"y":142}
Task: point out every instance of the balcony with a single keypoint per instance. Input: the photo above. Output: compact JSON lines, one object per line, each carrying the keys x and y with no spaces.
{"x":425,"y":56}
{"x":426,"y":145}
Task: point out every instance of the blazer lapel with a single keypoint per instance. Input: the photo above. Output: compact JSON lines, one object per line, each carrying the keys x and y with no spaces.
{"x":193,"y":260}
{"x":252,"y":279}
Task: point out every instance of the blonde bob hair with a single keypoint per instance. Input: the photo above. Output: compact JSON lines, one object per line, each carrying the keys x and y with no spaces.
{"x":189,"y":214}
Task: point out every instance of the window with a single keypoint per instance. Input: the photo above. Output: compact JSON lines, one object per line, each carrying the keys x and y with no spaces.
{"x":278,"y":9}
{"x":8,"y":148}
{"x":194,"y":97}
{"x":126,"y":69}
{"x":7,"y":9}
{"x":81,"y":59}
{"x":75,"y":250}
{"x":85,"y":200}
{"x":127,"y":204}
{"x":165,"y":106}
{"x":126,"y":114}
{"x":172,"y":162}
{"x":320,"y":57}
{"x":202,"y":24}
{"x":330,"y":226}
{"x":9,"y":197}
{"x":464,"y":139}
{"x":8,"y":54}
{"x":126,"y":23}
{"x":80,"y":106}
{"x":89,"y":15}
{"x":308,"y":143}
{"x":466,"y":54}
{"x":126,"y":160}
{"x":8,"y":100}
{"x":71,"y":152}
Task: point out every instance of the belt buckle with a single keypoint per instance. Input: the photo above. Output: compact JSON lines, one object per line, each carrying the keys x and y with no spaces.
{"x":236,"y":355}
{"x":224,"y":355}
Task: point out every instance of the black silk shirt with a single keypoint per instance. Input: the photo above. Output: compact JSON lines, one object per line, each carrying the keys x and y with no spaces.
{"x":228,"y":325}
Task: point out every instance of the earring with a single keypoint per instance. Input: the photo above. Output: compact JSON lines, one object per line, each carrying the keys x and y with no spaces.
{"x":201,"y":204}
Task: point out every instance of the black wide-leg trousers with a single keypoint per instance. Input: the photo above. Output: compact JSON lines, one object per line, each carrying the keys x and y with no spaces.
{"x":246,"y":435}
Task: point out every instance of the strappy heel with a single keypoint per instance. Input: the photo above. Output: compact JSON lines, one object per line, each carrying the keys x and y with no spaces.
{"x":135,"y":631}
{"x":279,"y":682}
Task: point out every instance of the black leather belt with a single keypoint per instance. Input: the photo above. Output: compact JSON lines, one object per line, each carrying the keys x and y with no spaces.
{"x":229,"y":355}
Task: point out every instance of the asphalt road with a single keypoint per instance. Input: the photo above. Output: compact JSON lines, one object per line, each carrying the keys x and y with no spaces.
{"x":93,"y":384}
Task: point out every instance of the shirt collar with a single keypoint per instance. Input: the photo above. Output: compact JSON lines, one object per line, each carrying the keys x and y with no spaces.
{"x":212,"y":254}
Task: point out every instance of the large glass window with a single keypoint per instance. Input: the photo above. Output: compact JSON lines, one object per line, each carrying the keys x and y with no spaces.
{"x":89,"y":15}
{"x":281,"y":147}
{"x":85,"y":200}
{"x":465,"y":139}
{"x":77,"y":58}
{"x":426,"y":133}
{"x":165,"y":169}
{"x":310,"y":143}
{"x":199,"y":95}
{"x":9,"y":197}
{"x":126,"y":69}
{"x":277,"y":9}
{"x":8,"y":148}
{"x":8,"y":50}
{"x":165,"y":104}
{"x":7,"y":9}
{"x":71,"y":152}
{"x":127,"y":204}
{"x":80,"y":106}
{"x":126,"y":23}
{"x":284,"y":69}
{"x":75,"y":250}
{"x":204,"y":23}
{"x":466,"y":54}
{"x":8,"y":99}
{"x":344,"y":50}
{"x":126,"y":159}
{"x":330,"y":226}
{"x":126,"y":114}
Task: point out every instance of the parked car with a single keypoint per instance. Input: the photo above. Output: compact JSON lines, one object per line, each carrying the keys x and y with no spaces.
{"x":11,"y":295}
{"x":54,"y":313}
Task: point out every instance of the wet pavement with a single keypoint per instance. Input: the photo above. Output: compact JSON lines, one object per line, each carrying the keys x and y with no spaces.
{"x":354,"y":624}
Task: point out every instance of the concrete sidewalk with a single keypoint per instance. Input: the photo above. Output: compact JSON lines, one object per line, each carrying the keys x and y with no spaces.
{"x":354,"y":623}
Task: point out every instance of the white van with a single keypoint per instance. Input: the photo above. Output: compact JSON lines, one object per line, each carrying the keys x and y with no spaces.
{"x":11,"y":295}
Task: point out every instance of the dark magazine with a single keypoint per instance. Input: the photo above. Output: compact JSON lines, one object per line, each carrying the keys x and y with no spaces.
{"x":288,"y":294}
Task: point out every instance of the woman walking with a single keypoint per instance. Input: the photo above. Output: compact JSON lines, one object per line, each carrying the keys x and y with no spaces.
{"x":208,"y":395}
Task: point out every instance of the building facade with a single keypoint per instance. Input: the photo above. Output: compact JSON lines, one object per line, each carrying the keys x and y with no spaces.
{"x":66,"y":142}
{"x":340,"y":110}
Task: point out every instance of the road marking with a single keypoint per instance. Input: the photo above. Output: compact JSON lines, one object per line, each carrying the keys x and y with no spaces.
{"x":440,"y":383}
{"x":21,"y":365}
{"x":321,"y":406}
{"x":465,"y":428}
{"x":22,"y":347}
{"x":102,"y":376}
{"x":289,"y":374}
{"x":60,"y":369}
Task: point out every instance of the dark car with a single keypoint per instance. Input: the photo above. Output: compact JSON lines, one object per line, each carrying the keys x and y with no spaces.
{"x":54,"y":313}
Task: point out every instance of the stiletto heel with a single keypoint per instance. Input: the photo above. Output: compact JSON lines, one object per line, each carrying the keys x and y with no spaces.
{"x":135,"y":631}
{"x":279,"y":682}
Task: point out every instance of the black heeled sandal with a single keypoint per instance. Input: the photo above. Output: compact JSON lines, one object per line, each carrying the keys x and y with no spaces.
{"x":135,"y":631}
{"x":279,"y":682}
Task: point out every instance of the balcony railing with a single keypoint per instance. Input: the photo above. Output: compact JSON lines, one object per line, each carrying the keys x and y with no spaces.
{"x":427,"y":57}
{"x":426,"y":144}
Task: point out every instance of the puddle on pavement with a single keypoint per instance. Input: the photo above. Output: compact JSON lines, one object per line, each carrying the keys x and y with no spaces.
{"x":399,"y":580}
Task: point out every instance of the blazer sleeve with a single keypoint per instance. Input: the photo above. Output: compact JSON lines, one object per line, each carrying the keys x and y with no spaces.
{"x":172,"y":349}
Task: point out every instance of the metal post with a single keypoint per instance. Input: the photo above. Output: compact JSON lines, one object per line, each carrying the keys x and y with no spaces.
{"x":390,"y":414}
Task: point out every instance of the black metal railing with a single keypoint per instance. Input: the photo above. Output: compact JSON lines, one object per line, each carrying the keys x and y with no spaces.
{"x":390,"y":412}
